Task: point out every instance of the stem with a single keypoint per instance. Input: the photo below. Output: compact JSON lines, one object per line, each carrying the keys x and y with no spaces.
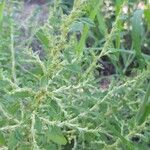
{"x":33,"y":132}
{"x":12,"y":52}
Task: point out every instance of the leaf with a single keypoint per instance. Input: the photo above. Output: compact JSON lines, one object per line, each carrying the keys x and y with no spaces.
{"x":43,"y":38}
{"x":55,"y":134}
{"x":101,"y":24}
{"x":2,"y":5}
{"x":23,"y":146}
{"x":13,"y":108}
{"x":2,"y":139}
{"x":37,"y":70}
{"x":144,"y":110}
{"x":22,"y":93}
{"x":75,"y":68}
{"x":14,"y":138}
{"x":128,"y":144}
{"x":76,"y":27}
{"x":147,"y":14}
{"x":87,"y":21}
{"x":43,"y":81}
{"x":119,"y":25}
{"x":38,"y":125}
{"x":137,"y":33}
{"x":82,"y":42}
{"x":118,"y":5}
{"x":12,"y":141}
{"x":4,"y":84}
{"x":50,"y":146}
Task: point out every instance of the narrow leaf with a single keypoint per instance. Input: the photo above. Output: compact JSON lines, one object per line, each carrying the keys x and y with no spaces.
{"x":43,"y":38}
{"x":147,"y":15}
{"x":144,"y":110}
{"x":2,"y":139}
{"x":137,"y":32}
{"x":82,"y":42}
{"x":2,"y":4}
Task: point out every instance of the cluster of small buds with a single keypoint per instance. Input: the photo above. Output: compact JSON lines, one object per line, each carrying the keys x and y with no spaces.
{"x":125,"y":9}
{"x":108,"y":9}
{"x":141,"y":5}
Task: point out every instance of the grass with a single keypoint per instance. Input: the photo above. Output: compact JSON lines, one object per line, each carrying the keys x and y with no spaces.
{"x":51,"y":95}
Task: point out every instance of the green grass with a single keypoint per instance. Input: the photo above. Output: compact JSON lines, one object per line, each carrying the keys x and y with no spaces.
{"x":51,"y":95}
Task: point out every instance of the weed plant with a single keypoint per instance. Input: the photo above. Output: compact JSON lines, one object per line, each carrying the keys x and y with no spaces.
{"x":50,"y":94}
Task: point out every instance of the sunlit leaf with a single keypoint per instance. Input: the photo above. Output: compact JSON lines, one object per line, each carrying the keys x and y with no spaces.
{"x":55,"y":134}
{"x":147,"y":14}
{"x":2,"y":139}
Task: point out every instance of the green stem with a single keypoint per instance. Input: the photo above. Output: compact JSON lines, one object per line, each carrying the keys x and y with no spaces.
{"x":12,"y":52}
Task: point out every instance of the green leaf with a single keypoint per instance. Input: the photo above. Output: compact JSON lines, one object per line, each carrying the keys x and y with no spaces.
{"x":12,"y":141}
{"x":55,"y":134}
{"x":4,"y":84}
{"x":2,"y":139}
{"x":87,"y":21}
{"x":101,"y":24}
{"x":37,"y":70}
{"x":22,"y":93}
{"x":23,"y":146}
{"x":137,"y":33}
{"x":76,"y":27}
{"x":82,"y":42}
{"x":38,"y":125}
{"x":43,"y":38}
{"x":2,"y":5}
{"x":51,"y":146}
{"x":144,"y":110}
{"x":75,"y":68}
{"x":118,"y":4}
{"x":43,"y":81}
{"x":119,"y":25}
{"x":13,"y":108}
{"x":147,"y":15}
{"x":115,"y":131}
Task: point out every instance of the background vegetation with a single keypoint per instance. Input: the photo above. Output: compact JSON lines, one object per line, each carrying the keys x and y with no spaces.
{"x":74,"y":75}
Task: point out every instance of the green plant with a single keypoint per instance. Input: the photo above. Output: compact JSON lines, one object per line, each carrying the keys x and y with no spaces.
{"x":51,"y":97}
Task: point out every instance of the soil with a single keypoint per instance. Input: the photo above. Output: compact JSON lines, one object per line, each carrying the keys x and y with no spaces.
{"x":39,"y":2}
{"x":36,"y":8}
